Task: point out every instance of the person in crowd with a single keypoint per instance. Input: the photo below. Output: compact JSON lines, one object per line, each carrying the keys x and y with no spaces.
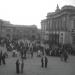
{"x":25,"y":53}
{"x":17,"y":66}
{"x":31,"y":50}
{"x":3,"y":58}
{"x":42,"y":61}
{"x":46,"y":61}
{"x":0,"y":57}
{"x":61,"y":55}
{"x":22,"y":65}
{"x":65,"y":56}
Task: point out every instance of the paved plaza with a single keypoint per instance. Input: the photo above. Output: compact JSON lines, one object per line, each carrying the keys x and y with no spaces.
{"x":33,"y":66}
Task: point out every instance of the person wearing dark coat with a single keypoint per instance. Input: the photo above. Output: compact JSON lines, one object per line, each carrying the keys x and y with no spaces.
{"x":22,"y":66}
{"x":17,"y":66}
{"x":0,"y":57}
{"x":42,"y":62}
{"x":3,"y":58}
{"x":65,"y":56}
{"x":31,"y":50}
{"x":46,"y":61}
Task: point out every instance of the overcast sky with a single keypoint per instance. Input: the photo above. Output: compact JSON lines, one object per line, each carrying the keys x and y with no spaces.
{"x":29,"y":12}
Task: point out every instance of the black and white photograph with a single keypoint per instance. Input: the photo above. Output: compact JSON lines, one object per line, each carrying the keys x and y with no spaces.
{"x":37,"y":37}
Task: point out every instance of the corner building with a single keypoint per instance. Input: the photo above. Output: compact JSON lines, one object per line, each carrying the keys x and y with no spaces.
{"x":59,"y":26}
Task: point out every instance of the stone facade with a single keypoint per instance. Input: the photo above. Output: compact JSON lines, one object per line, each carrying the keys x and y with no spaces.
{"x":11,"y":31}
{"x":62,"y":24}
{"x":44,"y":30}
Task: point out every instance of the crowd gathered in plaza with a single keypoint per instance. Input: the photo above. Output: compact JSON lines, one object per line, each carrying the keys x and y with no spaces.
{"x":21,"y":48}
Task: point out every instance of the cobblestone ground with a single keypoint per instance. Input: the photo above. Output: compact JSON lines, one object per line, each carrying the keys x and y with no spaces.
{"x":33,"y":67}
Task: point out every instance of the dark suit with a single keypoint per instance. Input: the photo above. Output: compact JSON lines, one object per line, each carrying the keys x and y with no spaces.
{"x":42,"y":62}
{"x":17,"y":66}
{"x":3,"y":58}
{"x":46,"y":61}
{"x":0,"y":57}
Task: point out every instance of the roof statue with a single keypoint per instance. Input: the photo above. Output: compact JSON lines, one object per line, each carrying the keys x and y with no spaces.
{"x":57,"y":8}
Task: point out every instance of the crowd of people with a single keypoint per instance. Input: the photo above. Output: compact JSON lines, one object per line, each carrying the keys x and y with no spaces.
{"x":26,"y":47}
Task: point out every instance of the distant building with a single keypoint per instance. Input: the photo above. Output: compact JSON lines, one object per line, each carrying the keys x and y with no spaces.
{"x":11,"y":31}
{"x":59,"y":26}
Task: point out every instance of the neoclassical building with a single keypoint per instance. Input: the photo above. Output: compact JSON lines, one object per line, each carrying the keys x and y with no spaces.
{"x":59,"y":26}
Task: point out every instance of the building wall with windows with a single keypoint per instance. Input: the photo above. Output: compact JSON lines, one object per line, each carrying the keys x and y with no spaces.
{"x":11,"y":31}
{"x":44,"y":30}
{"x":61,"y":23}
